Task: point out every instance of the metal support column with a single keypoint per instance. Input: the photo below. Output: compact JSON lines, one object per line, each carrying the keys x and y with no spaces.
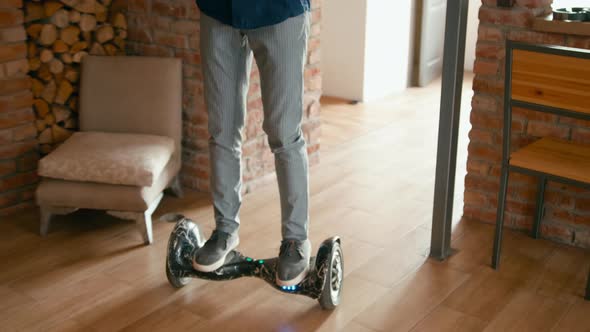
{"x":448,"y":128}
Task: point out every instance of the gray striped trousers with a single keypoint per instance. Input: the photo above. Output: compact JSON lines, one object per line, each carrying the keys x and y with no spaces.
{"x":280,"y":52}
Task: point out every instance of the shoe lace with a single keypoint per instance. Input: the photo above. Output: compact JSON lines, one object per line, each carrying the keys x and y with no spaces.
{"x":289,"y":248}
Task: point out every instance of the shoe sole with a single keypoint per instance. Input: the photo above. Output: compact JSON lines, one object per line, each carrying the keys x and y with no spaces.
{"x":215,"y":265}
{"x":295,"y":281}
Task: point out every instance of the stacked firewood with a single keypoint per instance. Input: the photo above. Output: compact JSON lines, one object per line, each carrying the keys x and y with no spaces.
{"x":60,"y":34}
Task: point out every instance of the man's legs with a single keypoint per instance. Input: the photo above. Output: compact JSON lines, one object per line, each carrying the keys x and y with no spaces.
{"x":226,"y":63}
{"x":281,"y":52}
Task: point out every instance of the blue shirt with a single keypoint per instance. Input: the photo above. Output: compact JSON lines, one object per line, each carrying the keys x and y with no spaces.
{"x":252,"y":14}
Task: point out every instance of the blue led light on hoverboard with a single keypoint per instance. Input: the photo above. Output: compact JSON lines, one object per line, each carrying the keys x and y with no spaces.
{"x":289,"y":288}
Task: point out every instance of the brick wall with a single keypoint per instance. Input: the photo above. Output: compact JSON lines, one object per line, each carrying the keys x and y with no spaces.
{"x":171,"y":28}
{"x":18,"y":144}
{"x":567,"y":215}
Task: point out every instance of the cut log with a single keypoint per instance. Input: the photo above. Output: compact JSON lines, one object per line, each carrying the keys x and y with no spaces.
{"x":51,"y":7}
{"x":106,"y":3}
{"x":41,"y":125}
{"x":87,"y":36}
{"x":111,"y":49}
{"x":61,"y":18}
{"x":32,"y":50}
{"x":105,"y":33}
{"x":97,"y":49}
{"x":41,"y":108}
{"x":71,"y":123}
{"x":75,"y":16}
{"x":34,"y":11}
{"x":122,"y":34}
{"x":60,"y":46}
{"x":70,"y":34}
{"x":37,"y":87}
{"x":60,"y":134}
{"x":120,"y":42}
{"x":49,"y":92}
{"x":64,"y":92}
{"x":73,"y":104}
{"x":78,"y":46}
{"x":87,"y":22}
{"x":49,"y":119}
{"x":46,"y":136}
{"x":44,"y":73}
{"x":85,"y":6}
{"x":56,"y":66}
{"x":71,"y":74}
{"x":61,"y":113}
{"x":46,"y":55}
{"x":34,"y":30}
{"x":79,"y":56}
{"x":45,"y":149}
{"x":119,"y":21}
{"x":34,"y":64}
{"x":67,"y":58}
{"x":48,"y":35}
{"x":101,"y":13}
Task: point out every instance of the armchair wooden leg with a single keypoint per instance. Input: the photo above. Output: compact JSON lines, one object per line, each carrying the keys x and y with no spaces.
{"x":144,"y":224}
{"x":143,"y":220}
{"x":176,"y":187}
{"x":47,"y":212}
{"x":45,"y":221}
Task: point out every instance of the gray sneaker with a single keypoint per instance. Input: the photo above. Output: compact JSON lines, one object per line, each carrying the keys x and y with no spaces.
{"x":212,"y":255}
{"x":293,"y":262}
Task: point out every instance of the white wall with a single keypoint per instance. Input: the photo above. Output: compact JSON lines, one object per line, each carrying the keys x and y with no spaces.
{"x":471,"y":39}
{"x":365,"y":47}
{"x":343,"y":48}
{"x":387,"y":47}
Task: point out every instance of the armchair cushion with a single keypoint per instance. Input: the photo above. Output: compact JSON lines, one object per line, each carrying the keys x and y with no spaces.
{"x":110,"y":158}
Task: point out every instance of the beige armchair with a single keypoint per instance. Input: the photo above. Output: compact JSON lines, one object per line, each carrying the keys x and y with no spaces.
{"x":128,"y":149}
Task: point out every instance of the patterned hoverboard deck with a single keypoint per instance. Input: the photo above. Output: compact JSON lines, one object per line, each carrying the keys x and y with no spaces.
{"x":323,"y":280}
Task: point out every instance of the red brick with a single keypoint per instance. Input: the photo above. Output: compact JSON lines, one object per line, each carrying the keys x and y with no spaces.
{"x":140,"y":35}
{"x":16,"y":68}
{"x":9,"y":151}
{"x":24,"y":132}
{"x":13,"y":85}
{"x":543,"y":129}
{"x":15,"y":102}
{"x":480,"y":214}
{"x":11,"y":52}
{"x":582,"y":239}
{"x":170,"y":39}
{"x":581,"y":135}
{"x":486,"y":120}
{"x":7,"y":167}
{"x":11,"y":4}
{"x":17,"y":181}
{"x":510,"y":17}
{"x":489,"y":33}
{"x":138,"y":5}
{"x":189,"y":57}
{"x":185,"y":27}
{"x":522,"y":113}
{"x":534,"y":3}
{"x":485,"y":67}
{"x":12,"y":119}
{"x":488,"y":85}
{"x":27,"y":162}
{"x":490,"y":51}
{"x":559,"y":199}
{"x":9,"y":17}
{"x":13,"y":34}
{"x":557,"y":231}
{"x":169,"y":8}
{"x":578,"y":42}
{"x":537,"y":37}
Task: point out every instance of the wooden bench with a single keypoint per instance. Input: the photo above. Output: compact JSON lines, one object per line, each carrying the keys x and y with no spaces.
{"x":547,"y":79}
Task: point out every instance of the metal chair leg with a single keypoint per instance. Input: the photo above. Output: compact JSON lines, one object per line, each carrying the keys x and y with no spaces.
{"x":500,"y":218}
{"x":540,"y":207}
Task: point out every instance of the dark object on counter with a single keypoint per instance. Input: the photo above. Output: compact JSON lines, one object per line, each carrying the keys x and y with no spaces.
{"x":576,"y":14}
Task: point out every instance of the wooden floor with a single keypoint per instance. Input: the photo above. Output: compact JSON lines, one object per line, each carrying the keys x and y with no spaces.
{"x":374,"y":188}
